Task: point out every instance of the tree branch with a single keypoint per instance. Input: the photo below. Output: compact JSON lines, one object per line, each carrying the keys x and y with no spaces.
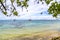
{"x":3,"y":5}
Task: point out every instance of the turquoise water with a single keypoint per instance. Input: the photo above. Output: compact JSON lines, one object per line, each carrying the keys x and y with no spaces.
{"x":25,"y":26}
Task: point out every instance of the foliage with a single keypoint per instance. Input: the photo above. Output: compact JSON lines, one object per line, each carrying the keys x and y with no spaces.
{"x":54,"y":9}
{"x":47,"y":1}
{"x":5,"y":13}
{"x":4,"y":9}
{"x":15,"y":13}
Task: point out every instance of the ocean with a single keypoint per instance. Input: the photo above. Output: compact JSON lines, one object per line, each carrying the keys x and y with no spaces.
{"x":26,"y":26}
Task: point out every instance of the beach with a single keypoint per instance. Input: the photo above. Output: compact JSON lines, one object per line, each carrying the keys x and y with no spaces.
{"x":44,"y":35}
{"x":30,"y":30}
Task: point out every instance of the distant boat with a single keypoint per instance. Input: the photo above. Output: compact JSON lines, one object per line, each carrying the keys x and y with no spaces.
{"x":30,"y":20}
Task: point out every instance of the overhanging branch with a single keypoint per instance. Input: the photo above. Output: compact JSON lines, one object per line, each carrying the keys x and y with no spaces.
{"x":3,"y":5}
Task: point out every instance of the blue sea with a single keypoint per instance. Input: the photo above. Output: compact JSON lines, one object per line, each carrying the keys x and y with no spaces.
{"x":26,"y":26}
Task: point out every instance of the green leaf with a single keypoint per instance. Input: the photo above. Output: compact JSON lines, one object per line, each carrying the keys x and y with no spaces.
{"x":54,"y":9}
{"x":18,"y":3}
{"x":48,"y":1}
{"x":15,"y":13}
{"x":1,"y":0}
{"x":12,"y":1}
{"x":55,"y":15}
{"x":26,"y":0}
{"x":41,"y":0}
{"x":25,"y":4}
{"x":5,"y":13}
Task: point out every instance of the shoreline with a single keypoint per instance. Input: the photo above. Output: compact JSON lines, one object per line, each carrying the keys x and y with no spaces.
{"x":48,"y":34}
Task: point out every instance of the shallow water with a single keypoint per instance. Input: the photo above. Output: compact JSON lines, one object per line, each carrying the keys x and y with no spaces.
{"x":25,"y":26}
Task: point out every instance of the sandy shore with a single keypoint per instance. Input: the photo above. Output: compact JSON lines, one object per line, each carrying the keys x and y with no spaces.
{"x":44,"y":35}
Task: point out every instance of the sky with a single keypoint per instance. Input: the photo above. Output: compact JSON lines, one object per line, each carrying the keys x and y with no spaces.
{"x":33,"y":13}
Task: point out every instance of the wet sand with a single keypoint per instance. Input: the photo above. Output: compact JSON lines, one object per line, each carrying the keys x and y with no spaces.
{"x":43,"y":35}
